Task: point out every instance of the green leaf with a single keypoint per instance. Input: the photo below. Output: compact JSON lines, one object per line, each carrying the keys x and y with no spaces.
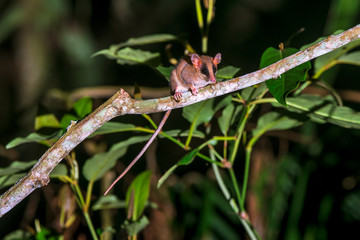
{"x":66,"y":120}
{"x":319,"y":40}
{"x":253,"y":92}
{"x":148,"y":39}
{"x":46,"y":120}
{"x":134,"y":56}
{"x":180,"y":133}
{"x":323,"y":110}
{"x":236,"y":114}
{"x":9,"y":180}
{"x":165,"y":71}
{"x":16,"y":167}
{"x":113,"y":127}
{"x":224,"y":120}
{"x":227,"y":72}
{"x":144,"y":40}
{"x":83,"y":107}
{"x":224,"y":102}
{"x":186,"y":160}
{"x":33,"y":137}
{"x":109,"y":201}
{"x":140,"y":189}
{"x":327,"y":60}
{"x":96,"y":166}
{"x":274,"y":121}
{"x":59,"y":171}
{"x":18,"y":235}
{"x":288,"y":81}
{"x":201,"y":112}
{"x":44,"y":234}
{"x":134,"y":228}
{"x":351,"y":58}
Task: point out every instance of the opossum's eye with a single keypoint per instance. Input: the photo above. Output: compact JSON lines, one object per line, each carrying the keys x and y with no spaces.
{"x":204,"y":70}
{"x":214,"y":69}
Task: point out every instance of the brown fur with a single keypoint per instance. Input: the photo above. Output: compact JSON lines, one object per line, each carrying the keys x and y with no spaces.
{"x":189,"y":74}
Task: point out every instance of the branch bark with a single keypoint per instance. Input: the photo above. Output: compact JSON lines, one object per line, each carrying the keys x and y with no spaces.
{"x":121,"y":104}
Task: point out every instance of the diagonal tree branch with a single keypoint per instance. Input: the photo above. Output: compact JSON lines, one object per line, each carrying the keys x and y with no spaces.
{"x":121,"y":104}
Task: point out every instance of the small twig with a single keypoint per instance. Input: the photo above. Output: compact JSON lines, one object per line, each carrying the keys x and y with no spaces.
{"x":121,"y":104}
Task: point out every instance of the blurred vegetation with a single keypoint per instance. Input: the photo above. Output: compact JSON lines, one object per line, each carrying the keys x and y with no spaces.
{"x":304,"y":182}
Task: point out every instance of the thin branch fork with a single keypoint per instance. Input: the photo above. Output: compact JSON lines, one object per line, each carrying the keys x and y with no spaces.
{"x":121,"y":104}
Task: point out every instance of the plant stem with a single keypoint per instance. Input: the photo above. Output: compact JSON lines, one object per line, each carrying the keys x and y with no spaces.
{"x":148,"y":118}
{"x":252,"y":234}
{"x":246,"y":173}
{"x":88,"y":195}
{"x":199,"y":16}
{"x":238,"y":136}
{"x":80,"y":197}
{"x":193,"y":126}
{"x":262,"y":100}
{"x":90,"y":225}
{"x":237,"y":190}
{"x":209,"y":160}
{"x":224,"y":138}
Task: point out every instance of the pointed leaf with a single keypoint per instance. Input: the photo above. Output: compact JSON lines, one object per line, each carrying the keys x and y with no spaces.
{"x":321,"y":110}
{"x":327,"y":60}
{"x":46,"y":120}
{"x":83,"y":107}
{"x":351,"y":58}
{"x":143,"y":40}
{"x":140,"y":187}
{"x":165,"y":71}
{"x":319,"y":40}
{"x":187,"y":159}
{"x":109,"y":201}
{"x":59,"y":171}
{"x":224,"y":120}
{"x":223,"y":103}
{"x":134,"y":56}
{"x":288,"y":81}
{"x":9,"y":180}
{"x":16,"y":167}
{"x":236,"y":114}
{"x":274,"y":121}
{"x":253,"y":92}
{"x":96,"y":166}
{"x":113,"y":127}
{"x":201,"y":112}
{"x":133,"y":228}
{"x":227,"y":72}
{"x":33,"y":137}
{"x":18,"y":234}
{"x":67,"y":119}
{"x":148,"y":39}
{"x":180,"y":133}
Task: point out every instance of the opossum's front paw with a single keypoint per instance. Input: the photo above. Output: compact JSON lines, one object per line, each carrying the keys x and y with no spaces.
{"x":178,"y":96}
{"x":194,"y":90}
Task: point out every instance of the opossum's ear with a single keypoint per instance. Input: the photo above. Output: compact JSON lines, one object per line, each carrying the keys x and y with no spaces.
{"x":217,"y":59}
{"x":196,"y":61}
